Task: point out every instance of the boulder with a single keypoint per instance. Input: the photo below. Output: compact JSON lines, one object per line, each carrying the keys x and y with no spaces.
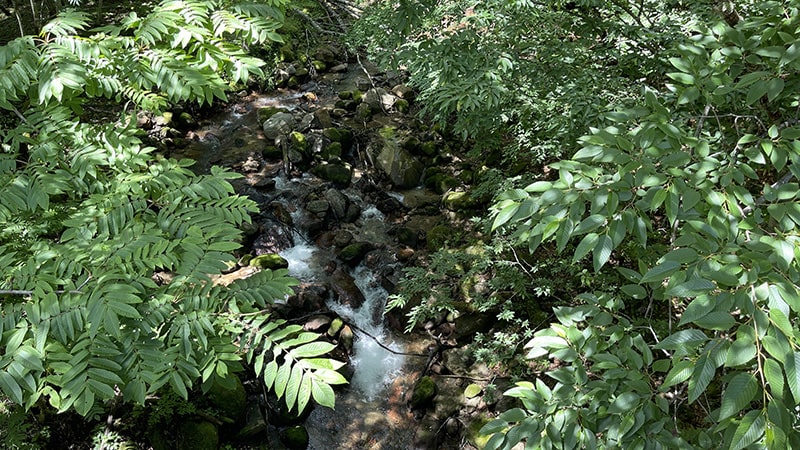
{"x":278,"y":125}
{"x":197,"y":435}
{"x":402,"y":168}
{"x":458,"y":201}
{"x":379,"y":100}
{"x":424,"y":392}
{"x":274,"y":239}
{"x":268,"y":111}
{"x":354,"y":253}
{"x":231,"y":402}
{"x":295,"y":438}
{"x":337,"y":173}
{"x":404,"y":92}
{"x":345,"y":289}
{"x":338,"y":202}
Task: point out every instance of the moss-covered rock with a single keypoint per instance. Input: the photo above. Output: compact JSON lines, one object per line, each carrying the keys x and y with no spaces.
{"x":424,"y":391}
{"x":332,"y":150}
{"x":230,"y":401}
{"x":197,"y":435}
{"x":319,"y":66}
{"x":402,"y":105}
{"x":295,"y":438}
{"x":458,"y":201}
{"x":336,"y":326}
{"x":298,"y":141}
{"x":337,"y":173}
{"x":272,"y":261}
{"x":437,"y":237}
{"x":354,"y":253}
{"x":269,"y":111}
{"x":272,"y":153}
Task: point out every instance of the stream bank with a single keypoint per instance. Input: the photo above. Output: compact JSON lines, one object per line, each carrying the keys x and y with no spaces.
{"x":352,"y":189}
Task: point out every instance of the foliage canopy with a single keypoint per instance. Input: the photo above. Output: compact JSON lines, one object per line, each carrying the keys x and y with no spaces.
{"x":684,"y":182}
{"x":88,"y":216}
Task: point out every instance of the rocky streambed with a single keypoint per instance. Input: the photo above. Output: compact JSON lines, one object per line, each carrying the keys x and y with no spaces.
{"x":351,"y":189}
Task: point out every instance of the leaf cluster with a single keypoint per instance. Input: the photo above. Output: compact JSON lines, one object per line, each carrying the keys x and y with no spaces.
{"x":91,"y":217}
{"x":706,"y":166}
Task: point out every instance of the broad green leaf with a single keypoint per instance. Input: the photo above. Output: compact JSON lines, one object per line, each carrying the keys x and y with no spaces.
{"x":303,"y":394}
{"x":585,"y":246}
{"x":680,"y":372}
{"x":684,"y":339}
{"x":742,"y":351}
{"x":505,"y":215}
{"x":660,"y":271}
{"x":791,"y":366}
{"x":774,"y":376}
{"x":312,"y":349}
{"x":749,"y":430}
{"x":690,"y":288}
{"x":293,"y":386}
{"x":739,"y":392}
{"x":322,"y":394}
{"x":10,"y":387}
{"x":702,"y":374}
{"x":282,"y":378}
{"x":624,"y":402}
{"x":602,"y":252}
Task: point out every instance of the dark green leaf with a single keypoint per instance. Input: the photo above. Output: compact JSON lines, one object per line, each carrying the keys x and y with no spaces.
{"x":739,"y":392}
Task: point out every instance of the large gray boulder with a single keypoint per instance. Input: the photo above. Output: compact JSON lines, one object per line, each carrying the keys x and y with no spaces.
{"x":278,"y":125}
{"x":402,"y":168}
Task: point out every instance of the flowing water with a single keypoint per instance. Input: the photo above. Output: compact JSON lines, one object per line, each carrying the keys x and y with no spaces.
{"x":371,"y":412}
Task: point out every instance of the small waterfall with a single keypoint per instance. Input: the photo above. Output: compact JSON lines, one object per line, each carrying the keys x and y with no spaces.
{"x":375,"y":366}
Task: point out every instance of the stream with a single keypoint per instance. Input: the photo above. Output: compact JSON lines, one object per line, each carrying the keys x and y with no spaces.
{"x":371,"y":412}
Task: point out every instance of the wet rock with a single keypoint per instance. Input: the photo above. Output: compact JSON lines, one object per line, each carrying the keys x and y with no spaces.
{"x":438,"y":236}
{"x":342,"y":238}
{"x":402,"y":168}
{"x":270,"y":261}
{"x":404,"y":92}
{"x":424,"y":391}
{"x":458,"y":201}
{"x":322,"y":118}
{"x":363,"y":112}
{"x":346,"y":338}
{"x":278,"y":125}
{"x":338,"y":202}
{"x":406,"y":236}
{"x":197,"y":435}
{"x":295,"y":438}
{"x":230,"y":401}
{"x":317,"y":324}
{"x":339,"y":68}
{"x":318,"y":207}
{"x":309,"y":297}
{"x":379,"y":100}
{"x":255,"y":424}
{"x":337,"y":173}
{"x":274,"y":239}
{"x":272,"y":153}
{"x":268,"y":111}
{"x":345,"y":289}
{"x":354,"y":253}
{"x":353,"y":213}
